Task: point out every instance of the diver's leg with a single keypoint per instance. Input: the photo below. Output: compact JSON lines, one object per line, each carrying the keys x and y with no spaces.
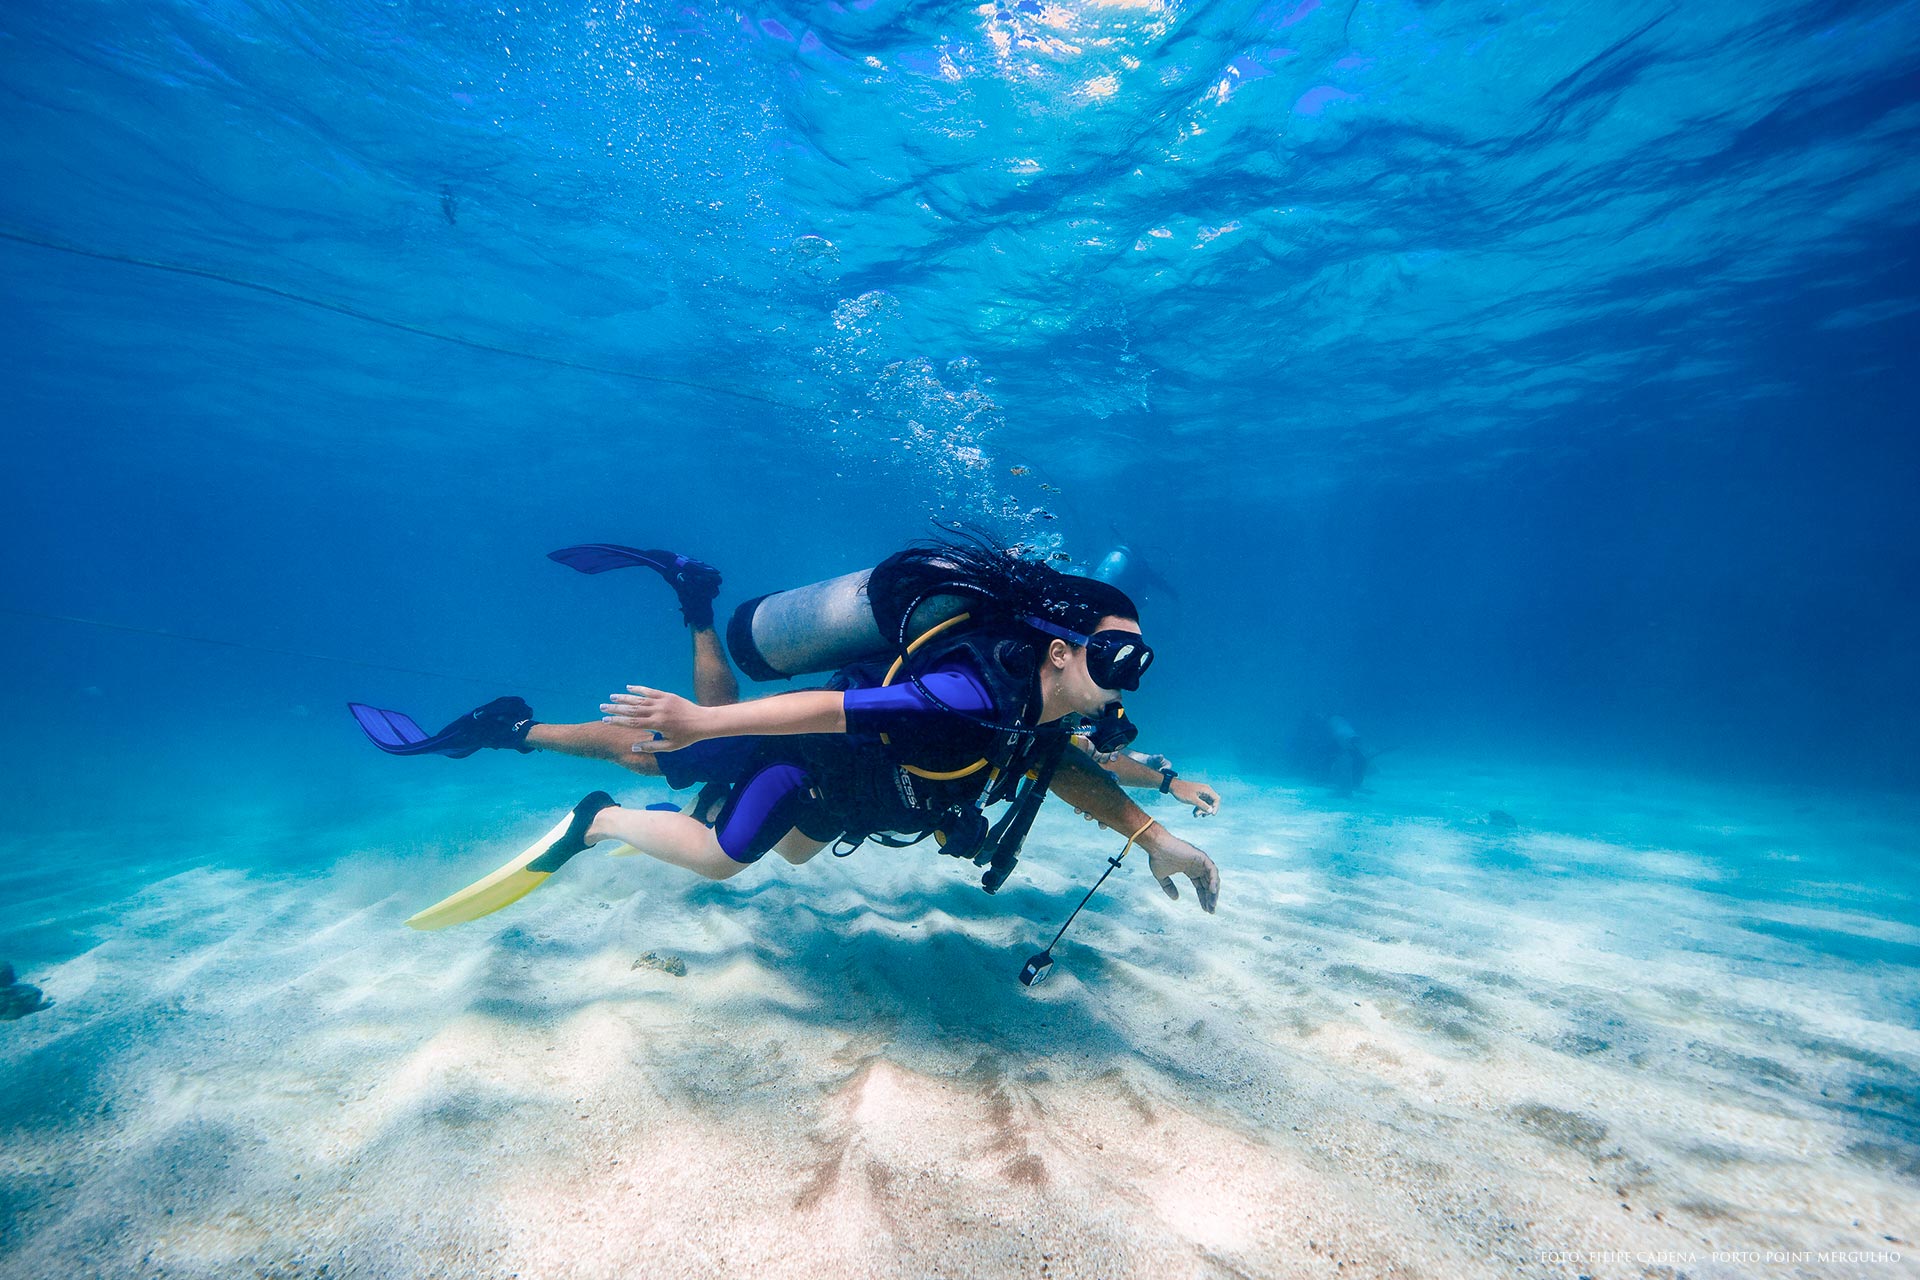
{"x":673,"y":838}
{"x":798,"y":847}
{"x":713,"y":681}
{"x":696,"y":584}
{"x":759,"y":814}
{"x":597,"y":741}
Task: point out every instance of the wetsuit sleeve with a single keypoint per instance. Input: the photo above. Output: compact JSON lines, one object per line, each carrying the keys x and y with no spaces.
{"x":898,"y":706}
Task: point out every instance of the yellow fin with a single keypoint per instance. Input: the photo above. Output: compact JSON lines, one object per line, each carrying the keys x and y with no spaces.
{"x":484,"y":897}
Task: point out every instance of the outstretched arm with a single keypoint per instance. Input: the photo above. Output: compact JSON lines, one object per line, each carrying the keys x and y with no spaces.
{"x":1088,"y":788}
{"x":1133,"y":773}
{"x":668,"y":722}
{"x":943,"y":693}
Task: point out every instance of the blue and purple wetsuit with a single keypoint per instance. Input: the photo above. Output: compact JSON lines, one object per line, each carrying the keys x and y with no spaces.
{"x":772,"y":796}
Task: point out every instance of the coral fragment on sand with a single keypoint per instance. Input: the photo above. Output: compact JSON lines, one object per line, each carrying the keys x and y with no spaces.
{"x":665,"y":962}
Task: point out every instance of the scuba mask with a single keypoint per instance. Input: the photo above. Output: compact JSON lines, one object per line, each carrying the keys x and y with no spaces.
{"x":1115,"y":659}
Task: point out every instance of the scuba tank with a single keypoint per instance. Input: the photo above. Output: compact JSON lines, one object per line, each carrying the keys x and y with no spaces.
{"x":1114,"y":565}
{"x":822,"y":627}
{"x":1127,"y":569}
{"x":905,"y":606}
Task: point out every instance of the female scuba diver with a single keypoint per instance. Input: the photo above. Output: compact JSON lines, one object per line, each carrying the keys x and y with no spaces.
{"x":993,"y":660}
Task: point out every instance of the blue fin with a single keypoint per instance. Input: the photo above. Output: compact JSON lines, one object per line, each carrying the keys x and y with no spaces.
{"x":501,"y":723}
{"x":391,"y":731}
{"x":695,"y":581}
{"x":599,"y":557}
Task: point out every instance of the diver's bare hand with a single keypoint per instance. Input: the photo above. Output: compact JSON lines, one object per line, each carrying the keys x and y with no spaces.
{"x":663,"y":721}
{"x":1204,"y":799}
{"x":1169,"y":856}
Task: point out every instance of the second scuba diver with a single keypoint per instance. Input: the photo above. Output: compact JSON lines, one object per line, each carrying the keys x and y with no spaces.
{"x":994,"y":661}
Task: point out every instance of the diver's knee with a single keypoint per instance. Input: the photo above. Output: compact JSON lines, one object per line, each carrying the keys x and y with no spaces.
{"x":798,"y":847}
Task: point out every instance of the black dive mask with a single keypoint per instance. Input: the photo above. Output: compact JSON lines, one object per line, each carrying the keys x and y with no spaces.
{"x":1115,"y":659}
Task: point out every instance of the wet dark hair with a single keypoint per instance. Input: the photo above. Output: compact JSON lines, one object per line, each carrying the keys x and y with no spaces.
{"x":1090,"y":600}
{"x":1002,"y":587}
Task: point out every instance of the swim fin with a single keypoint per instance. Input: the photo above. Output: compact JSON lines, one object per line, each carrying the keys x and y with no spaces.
{"x":501,"y":723}
{"x":520,"y":877}
{"x":694,"y":581}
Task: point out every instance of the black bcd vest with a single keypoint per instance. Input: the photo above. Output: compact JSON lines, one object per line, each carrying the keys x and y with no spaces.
{"x":905,"y":782}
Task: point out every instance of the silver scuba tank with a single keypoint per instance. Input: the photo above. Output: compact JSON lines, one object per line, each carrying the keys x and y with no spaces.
{"x":1128,"y":570}
{"x":821,"y":627}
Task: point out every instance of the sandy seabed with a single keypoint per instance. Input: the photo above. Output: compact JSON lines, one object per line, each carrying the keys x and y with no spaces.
{"x":1654,"y":1030}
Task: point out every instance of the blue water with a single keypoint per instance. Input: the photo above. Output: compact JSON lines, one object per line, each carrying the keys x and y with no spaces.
{"x":1531,"y":384}
{"x":1530,"y":374}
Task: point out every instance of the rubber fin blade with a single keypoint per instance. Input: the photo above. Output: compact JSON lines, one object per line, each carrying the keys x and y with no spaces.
{"x":504,"y":887}
{"x":394,"y":732}
{"x":599,"y":557}
{"x":493,"y":725}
